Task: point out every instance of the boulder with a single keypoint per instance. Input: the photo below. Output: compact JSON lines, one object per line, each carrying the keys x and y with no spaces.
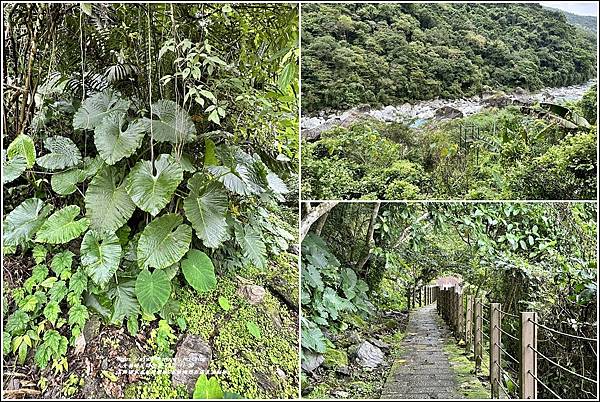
{"x":379,"y":344}
{"x":311,"y":361}
{"x":192,"y":358}
{"x":369,"y":355}
{"x":254,"y":294}
{"x":448,"y":112}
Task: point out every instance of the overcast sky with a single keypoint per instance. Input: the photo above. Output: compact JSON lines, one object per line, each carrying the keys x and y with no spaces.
{"x":575,"y":8}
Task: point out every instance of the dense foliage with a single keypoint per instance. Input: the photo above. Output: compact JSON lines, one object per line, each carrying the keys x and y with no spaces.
{"x":154,"y":157}
{"x":527,"y":256}
{"x":393,"y":53}
{"x":496,"y":154}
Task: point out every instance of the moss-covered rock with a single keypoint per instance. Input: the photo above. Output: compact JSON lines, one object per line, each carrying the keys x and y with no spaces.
{"x":253,"y":364}
{"x":335,"y":358}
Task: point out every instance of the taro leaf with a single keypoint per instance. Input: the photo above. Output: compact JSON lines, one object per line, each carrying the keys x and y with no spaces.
{"x":163,"y":242}
{"x":63,"y":154}
{"x":107,"y":205}
{"x":125,"y":302}
{"x":173,"y":125}
{"x":199,"y":271}
{"x":100,"y":256}
{"x":95,"y":108}
{"x":312,"y":277}
{"x":65,"y":183}
{"x":12,"y":168}
{"x":152,"y":290}
{"x":205,"y":207}
{"x":61,"y":227}
{"x":22,"y":146}
{"x":236,"y":180}
{"x":112,"y":142}
{"x":276,"y":184}
{"x":252,"y":245}
{"x":207,"y":388}
{"x":151,"y":192}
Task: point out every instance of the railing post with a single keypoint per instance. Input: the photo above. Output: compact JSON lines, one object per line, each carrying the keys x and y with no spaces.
{"x":478,"y":346}
{"x":527,"y":383}
{"x":495,"y":341}
{"x":469,"y":324}
{"x":461,"y":317}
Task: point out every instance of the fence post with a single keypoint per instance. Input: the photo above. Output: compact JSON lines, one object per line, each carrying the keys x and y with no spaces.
{"x":461,"y":315}
{"x":469,"y":324}
{"x":527,"y":383}
{"x":478,"y":346}
{"x":495,"y":325}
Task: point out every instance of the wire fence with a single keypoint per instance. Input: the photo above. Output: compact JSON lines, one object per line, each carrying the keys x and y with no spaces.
{"x":478,"y":319}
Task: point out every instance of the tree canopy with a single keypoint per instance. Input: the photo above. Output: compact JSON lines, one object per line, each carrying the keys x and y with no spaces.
{"x":393,"y":53}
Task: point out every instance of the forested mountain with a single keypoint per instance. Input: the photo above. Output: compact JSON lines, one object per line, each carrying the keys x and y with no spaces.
{"x":587,"y":22}
{"x":393,"y":53}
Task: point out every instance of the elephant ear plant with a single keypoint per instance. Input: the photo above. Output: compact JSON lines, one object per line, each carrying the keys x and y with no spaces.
{"x":143,"y":216}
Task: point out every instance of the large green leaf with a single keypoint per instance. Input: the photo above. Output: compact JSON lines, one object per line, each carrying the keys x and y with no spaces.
{"x":23,"y":222}
{"x":22,"y":146}
{"x":107,"y":205}
{"x":199,"y":271}
{"x":100,"y":256}
{"x":206,"y":207}
{"x":95,"y":108}
{"x":235,"y":180}
{"x":63,"y":153}
{"x":252,"y":245}
{"x":61,"y":226}
{"x":65,"y":183}
{"x":112,"y":142}
{"x":124,"y":301}
{"x":12,"y":168}
{"x":149,"y":191}
{"x":152,"y":290}
{"x":163,"y":242}
{"x":173,"y":125}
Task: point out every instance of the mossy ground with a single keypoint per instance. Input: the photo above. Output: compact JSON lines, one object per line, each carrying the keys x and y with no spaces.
{"x":358,"y":383}
{"x":472,"y":385}
{"x":254,"y":367}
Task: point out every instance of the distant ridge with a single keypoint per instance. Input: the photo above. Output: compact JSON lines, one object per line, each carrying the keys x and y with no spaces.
{"x":587,"y":22}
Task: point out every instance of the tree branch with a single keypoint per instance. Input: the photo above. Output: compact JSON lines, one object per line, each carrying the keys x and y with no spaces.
{"x":314,"y":213}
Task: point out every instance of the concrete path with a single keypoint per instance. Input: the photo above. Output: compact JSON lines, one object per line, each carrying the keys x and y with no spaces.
{"x":423,"y":370}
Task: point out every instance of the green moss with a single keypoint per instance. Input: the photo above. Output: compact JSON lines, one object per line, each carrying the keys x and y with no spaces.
{"x":320,"y":391}
{"x":464,"y":368}
{"x":335,"y":358}
{"x":159,"y":387}
{"x":266,"y":367}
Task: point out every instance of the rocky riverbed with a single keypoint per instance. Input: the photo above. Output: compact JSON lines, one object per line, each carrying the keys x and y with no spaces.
{"x":418,"y":113}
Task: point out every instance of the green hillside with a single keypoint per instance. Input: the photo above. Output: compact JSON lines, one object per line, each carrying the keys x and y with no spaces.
{"x":392,"y":53}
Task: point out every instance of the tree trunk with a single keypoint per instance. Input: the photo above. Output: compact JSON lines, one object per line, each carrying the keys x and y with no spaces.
{"x":313,"y":215}
{"x":370,"y":242}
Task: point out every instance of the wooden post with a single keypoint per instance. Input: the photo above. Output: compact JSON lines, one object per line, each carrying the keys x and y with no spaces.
{"x":527,"y":383}
{"x":469,"y":324}
{"x":451,"y":294}
{"x":478,"y":346}
{"x":461,"y":316}
{"x":495,"y":342}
